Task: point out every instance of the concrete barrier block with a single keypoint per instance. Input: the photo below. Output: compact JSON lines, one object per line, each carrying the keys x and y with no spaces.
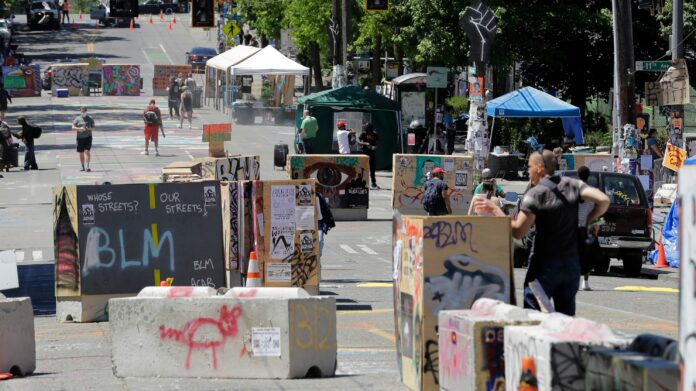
{"x":609,"y":369}
{"x":558,"y":346}
{"x":240,"y":335}
{"x":177,"y":291}
{"x":267,"y":292}
{"x":471,"y":344}
{"x":17,"y":344}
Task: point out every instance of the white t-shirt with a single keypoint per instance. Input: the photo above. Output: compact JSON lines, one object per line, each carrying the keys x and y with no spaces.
{"x":343,"y":142}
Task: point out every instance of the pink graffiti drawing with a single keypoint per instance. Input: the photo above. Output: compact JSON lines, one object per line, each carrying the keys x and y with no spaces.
{"x":226,"y":325}
{"x":250,"y":293}
{"x":454,"y":364}
{"x":179,"y":291}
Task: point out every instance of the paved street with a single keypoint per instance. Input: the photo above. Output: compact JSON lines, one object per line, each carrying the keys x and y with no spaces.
{"x":356,"y":265}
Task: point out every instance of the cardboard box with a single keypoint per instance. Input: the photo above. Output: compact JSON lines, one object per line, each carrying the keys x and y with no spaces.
{"x":343,"y":180}
{"x":410,"y":176}
{"x":443,"y":263}
{"x":114,"y":240}
{"x":285,"y":232}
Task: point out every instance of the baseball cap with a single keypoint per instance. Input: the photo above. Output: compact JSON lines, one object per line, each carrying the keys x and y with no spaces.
{"x":341,"y":123}
{"x":486,"y":173}
{"x":438,"y":170}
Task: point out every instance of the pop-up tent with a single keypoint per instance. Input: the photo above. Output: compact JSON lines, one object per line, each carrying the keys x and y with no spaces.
{"x":384,"y":115}
{"x":528,"y":102}
{"x":217,"y":69}
{"x":268,"y":61}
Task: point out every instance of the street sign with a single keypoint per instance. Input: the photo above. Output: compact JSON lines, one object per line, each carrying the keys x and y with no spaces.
{"x":437,"y":77}
{"x":653,"y":66}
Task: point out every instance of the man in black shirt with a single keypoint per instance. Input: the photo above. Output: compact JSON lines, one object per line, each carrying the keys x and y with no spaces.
{"x":552,"y":205}
{"x":368,"y":142}
{"x":436,"y":198}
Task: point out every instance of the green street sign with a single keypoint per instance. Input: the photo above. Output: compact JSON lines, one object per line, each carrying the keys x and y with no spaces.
{"x":653,"y":66}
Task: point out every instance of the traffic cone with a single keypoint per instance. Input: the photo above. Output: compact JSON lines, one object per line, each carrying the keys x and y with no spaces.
{"x":174,"y":20}
{"x":132,"y":27}
{"x":80,"y":17}
{"x":96,"y":25}
{"x":528,"y":380}
{"x":661,"y":257}
{"x":161,"y":16}
{"x":170,"y":26}
{"x":253,"y":274}
{"x":74,"y":25}
{"x":149,"y":21}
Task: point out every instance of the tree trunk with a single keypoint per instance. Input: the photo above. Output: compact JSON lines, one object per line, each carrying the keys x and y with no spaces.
{"x":316,"y":63}
{"x":376,"y":63}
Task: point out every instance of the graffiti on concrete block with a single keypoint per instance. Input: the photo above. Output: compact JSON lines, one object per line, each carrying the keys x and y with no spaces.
{"x":121,"y":80}
{"x":72,"y":77}
{"x":342,"y":180}
{"x":22,"y":81}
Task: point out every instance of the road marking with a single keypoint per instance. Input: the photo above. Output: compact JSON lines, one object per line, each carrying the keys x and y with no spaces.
{"x":362,"y":312}
{"x":349,"y":349}
{"x":633,"y":288}
{"x":376,"y":285}
{"x":366,"y":249}
{"x":384,"y":334}
{"x":146,"y":56}
{"x":625,"y":312}
{"x":166,"y":54}
{"x":37,"y":255}
{"x":348,"y":249}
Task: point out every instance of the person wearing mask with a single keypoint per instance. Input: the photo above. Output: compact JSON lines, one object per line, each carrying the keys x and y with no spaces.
{"x":84,"y":125}
{"x":368,"y":143}
{"x":344,"y":136}
{"x":552,"y":206}
{"x":652,"y":145}
{"x":174,"y":97}
{"x":27,"y":136}
{"x":588,"y":246}
{"x":153,"y":123}
{"x":308,"y":132}
{"x":436,"y":198}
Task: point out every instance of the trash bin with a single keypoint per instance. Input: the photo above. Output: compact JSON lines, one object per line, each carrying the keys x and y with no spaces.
{"x":197,"y":97}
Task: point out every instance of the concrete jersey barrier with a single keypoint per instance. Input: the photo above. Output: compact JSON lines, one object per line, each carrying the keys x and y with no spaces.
{"x":17,"y":343}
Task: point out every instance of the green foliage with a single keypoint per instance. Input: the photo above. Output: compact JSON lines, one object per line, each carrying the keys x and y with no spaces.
{"x":265,"y":15}
{"x":308,"y":20}
{"x":266,"y":91}
{"x":598,"y":138}
{"x":459,"y":104}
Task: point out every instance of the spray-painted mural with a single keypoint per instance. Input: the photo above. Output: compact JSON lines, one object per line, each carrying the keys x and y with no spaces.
{"x":72,"y":77}
{"x":121,"y":80}
{"x":22,"y":81}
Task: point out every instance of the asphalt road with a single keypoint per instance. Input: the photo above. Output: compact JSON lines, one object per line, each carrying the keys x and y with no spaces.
{"x":356,"y":266}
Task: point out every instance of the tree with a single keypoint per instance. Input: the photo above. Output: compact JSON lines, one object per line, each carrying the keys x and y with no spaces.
{"x":375,"y":31}
{"x":265,"y":15}
{"x":308,"y":20}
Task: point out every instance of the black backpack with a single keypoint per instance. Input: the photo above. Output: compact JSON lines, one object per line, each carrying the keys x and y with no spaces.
{"x":432,"y":199}
{"x":151,"y":117}
{"x":37,"y":131}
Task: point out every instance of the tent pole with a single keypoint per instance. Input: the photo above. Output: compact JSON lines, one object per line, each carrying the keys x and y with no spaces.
{"x":398,"y":126}
{"x":490,"y":142}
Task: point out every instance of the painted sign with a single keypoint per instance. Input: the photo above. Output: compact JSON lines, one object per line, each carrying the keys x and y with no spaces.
{"x":687,"y":268}
{"x":23,"y":80}
{"x":72,"y":77}
{"x":675,"y":84}
{"x":217,"y":132}
{"x":121,"y":80}
{"x":160,"y":80}
{"x":342,"y":180}
{"x":674,"y":157}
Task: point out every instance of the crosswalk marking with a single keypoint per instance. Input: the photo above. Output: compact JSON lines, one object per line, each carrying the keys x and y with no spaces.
{"x":37,"y":255}
{"x":348,"y":249}
{"x":19,"y":256}
{"x":367,"y":249}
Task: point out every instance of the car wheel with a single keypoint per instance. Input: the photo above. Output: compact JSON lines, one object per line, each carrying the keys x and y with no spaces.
{"x":633,"y":264}
{"x":168,"y":11}
{"x":602,"y":264}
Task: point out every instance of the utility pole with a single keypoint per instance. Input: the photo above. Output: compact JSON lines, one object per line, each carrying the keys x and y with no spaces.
{"x":624,"y":72}
{"x":346,"y":29}
{"x":677,"y":48}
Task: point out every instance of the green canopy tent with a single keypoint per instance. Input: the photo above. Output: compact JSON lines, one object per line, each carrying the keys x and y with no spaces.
{"x":384,"y":114}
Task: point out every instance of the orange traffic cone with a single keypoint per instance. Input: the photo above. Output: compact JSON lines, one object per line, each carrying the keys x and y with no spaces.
{"x":174,"y":20}
{"x":161,"y":15}
{"x":80,"y":17}
{"x":132,"y":27}
{"x":253,"y":274}
{"x":528,"y":380}
{"x":96,"y":25}
{"x":169,"y":27}
{"x":74,"y":25}
{"x":661,"y":257}
{"x":149,"y":21}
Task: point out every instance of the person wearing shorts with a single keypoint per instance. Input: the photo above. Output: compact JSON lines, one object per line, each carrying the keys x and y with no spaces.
{"x":152,"y":128}
{"x":84,"y":125}
{"x":186,"y":108}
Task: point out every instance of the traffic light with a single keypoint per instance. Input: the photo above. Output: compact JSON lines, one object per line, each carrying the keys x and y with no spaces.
{"x":377,"y":5}
{"x":203,"y":13}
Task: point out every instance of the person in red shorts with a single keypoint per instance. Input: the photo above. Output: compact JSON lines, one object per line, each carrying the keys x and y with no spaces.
{"x":153,"y":123}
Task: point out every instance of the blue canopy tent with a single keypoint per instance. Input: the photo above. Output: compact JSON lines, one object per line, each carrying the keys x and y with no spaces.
{"x":528,"y":102}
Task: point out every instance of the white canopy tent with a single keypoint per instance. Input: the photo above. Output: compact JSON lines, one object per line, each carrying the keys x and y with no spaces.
{"x":221,"y":64}
{"x":268,"y":61}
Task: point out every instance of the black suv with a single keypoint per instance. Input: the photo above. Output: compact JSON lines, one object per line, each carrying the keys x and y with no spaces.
{"x":42,"y":13}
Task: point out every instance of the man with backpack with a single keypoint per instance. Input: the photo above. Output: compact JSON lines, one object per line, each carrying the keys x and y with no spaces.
{"x":436,"y":200}
{"x":153,"y":123}
{"x":84,"y":125}
{"x":28,"y":134}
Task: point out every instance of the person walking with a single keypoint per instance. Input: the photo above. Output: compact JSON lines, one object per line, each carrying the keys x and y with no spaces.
{"x":186,"y":108}
{"x":153,"y":123}
{"x":368,"y":142}
{"x":190,"y":83}
{"x":84,"y":125}
{"x":552,"y":206}
{"x":588,"y":246}
{"x":308,"y":132}
{"x":4,"y":98}
{"x":325,"y":221}
{"x":174,"y":97}
{"x":436,"y":198}
{"x":6,"y":147}
{"x":65,"y":11}
{"x":27,"y":136}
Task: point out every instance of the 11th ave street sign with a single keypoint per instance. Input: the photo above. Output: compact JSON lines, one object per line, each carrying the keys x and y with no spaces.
{"x":653,"y":66}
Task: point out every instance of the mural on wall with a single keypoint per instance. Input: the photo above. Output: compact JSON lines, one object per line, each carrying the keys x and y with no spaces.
{"x":160,"y":80}
{"x":121,"y":80}
{"x":463,"y":264}
{"x":410,"y":175}
{"x":22,"y":81}
{"x":72,"y":77}
{"x":342,"y":180}
{"x":237,"y":168}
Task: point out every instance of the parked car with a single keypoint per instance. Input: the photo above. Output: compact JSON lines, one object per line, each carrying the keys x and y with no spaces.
{"x":157,"y":6}
{"x":627,"y":231}
{"x":42,"y":13}
{"x":5,"y":31}
{"x":198,"y":56}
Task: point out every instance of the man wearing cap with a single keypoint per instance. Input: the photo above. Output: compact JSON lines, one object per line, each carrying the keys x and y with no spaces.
{"x":487,"y":175}
{"x":435,"y":199}
{"x":308,"y":132}
{"x":343,"y":136}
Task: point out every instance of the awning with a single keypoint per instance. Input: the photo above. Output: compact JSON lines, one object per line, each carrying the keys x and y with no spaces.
{"x":528,"y":102}
{"x":268,"y":61}
{"x":235,"y":55}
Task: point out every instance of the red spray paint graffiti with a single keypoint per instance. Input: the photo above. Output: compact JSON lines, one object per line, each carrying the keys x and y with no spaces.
{"x":226,"y":326}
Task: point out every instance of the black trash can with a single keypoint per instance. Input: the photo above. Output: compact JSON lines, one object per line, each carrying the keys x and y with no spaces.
{"x":198,"y":97}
